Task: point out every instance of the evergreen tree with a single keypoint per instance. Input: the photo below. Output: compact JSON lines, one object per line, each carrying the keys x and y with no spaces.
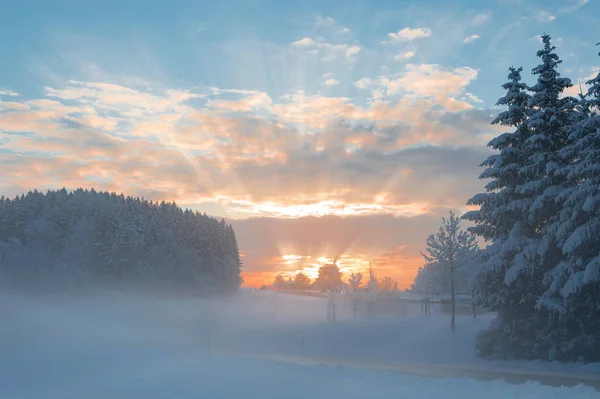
{"x":574,"y":290}
{"x":522,"y":213}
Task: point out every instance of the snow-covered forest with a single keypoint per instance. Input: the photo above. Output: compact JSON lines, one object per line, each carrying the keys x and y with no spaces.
{"x":74,"y":240}
{"x":540,"y":215}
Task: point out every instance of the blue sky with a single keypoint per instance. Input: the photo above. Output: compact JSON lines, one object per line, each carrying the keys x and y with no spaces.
{"x":275,"y":112}
{"x":242,"y":43}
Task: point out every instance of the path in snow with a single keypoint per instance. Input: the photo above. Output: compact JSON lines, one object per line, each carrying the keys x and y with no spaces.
{"x":441,"y":371}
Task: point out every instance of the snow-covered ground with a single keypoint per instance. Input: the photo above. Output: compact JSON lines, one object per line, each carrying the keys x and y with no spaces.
{"x":122,"y":346}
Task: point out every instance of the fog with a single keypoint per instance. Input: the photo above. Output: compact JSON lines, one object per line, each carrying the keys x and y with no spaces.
{"x":133,"y":345}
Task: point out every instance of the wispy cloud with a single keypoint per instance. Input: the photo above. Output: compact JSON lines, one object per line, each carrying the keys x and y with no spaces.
{"x":328,"y":50}
{"x":9,"y":93}
{"x":324,"y":21}
{"x":473,"y":97}
{"x":331,"y":82}
{"x":471,"y":39}
{"x":331,"y":24}
{"x":304,"y":42}
{"x":404,"y":56}
{"x":573,"y":6}
{"x":545,"y":16}
{"x":482,"y":18}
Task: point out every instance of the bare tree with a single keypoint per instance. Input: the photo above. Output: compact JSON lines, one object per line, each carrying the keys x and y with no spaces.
{"x":451,"y":248}
{"x":387,"y":285}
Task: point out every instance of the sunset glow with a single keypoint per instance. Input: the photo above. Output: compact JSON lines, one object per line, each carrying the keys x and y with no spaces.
{"x":317,"y":135}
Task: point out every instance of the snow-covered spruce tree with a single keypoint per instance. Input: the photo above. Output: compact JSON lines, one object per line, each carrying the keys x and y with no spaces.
{"x":503,"y":284}
{"x":520,"y":212}
{"x":575,"y":287}
{"x":551,"y":118}
{"x":451,"y":248}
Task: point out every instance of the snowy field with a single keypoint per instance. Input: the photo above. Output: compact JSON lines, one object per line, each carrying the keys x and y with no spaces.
{"x":262,"y":344}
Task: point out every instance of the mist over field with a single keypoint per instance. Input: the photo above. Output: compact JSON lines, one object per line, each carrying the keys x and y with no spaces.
{"x":253,"y":343}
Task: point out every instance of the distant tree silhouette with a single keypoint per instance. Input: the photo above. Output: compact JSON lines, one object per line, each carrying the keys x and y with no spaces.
{"x":329,"y":278}
{"x":301,"y":281}
{"x":279,"y":282}
{"x":387,"y":285}
{"x":355,"y":281}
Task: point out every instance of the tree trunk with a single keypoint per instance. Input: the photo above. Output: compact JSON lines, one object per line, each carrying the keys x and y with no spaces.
{"x":473,"y":302}
{"x":452,"y":326}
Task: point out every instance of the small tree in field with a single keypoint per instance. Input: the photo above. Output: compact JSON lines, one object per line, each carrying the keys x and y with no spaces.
{"x":354,"y":282}
{"x":451,"y":248}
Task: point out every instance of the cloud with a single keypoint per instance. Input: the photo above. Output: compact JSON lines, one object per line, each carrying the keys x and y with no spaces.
{"x":545,"y":17}
{"x":304,"y":42}
{"x":579,"y":85}
{"x":243,"y":152}
{"x":324,"y":21}
{"x":352,"y":50}
{"x":473,"y":97}
{"x":9,"y":93}
{"x":362,"y":83}
{"x":574,"y":6}
{"x":331,"y":82}
{"x":431,"y":80}
{"x":482,"y":18}
{"x":13,"y":105}
{"x":408,"y":34}
{"x":330,"y":24}
{"x":470,"y":39}
{"x":248,"y":102}
{"x":329,"y":51}
{"x":404,"y":56}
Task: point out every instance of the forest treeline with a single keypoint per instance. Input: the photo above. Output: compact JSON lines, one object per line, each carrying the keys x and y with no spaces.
{"x":71,"y":240}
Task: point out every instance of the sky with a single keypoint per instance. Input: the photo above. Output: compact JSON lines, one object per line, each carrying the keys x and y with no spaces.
{"x":319,"y":129}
